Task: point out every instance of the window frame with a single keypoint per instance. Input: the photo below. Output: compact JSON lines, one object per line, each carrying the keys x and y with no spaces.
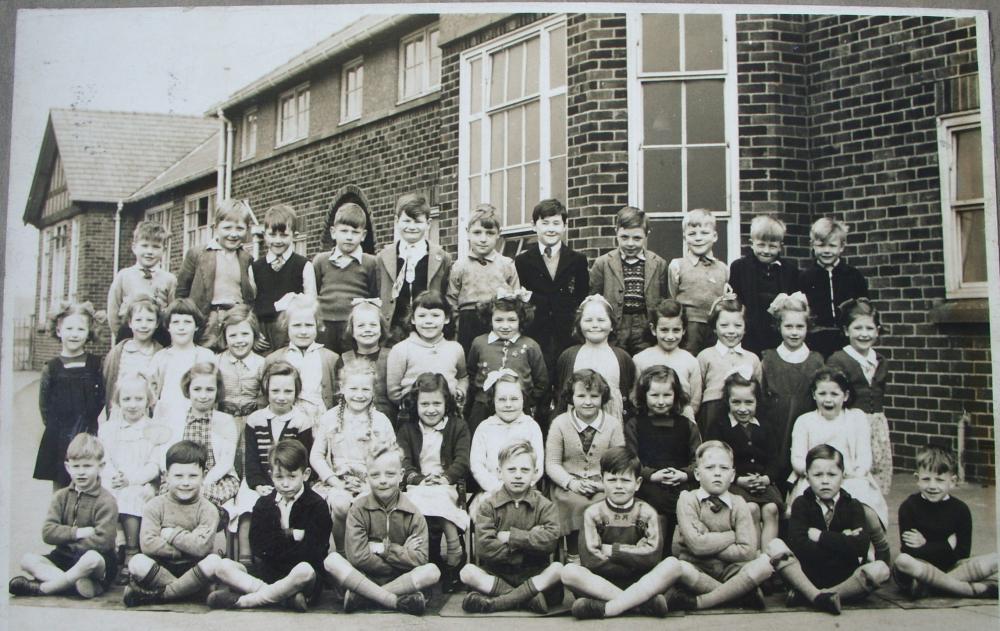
{"x":947,"y":127}
{"x":161,"y":214}
{"x":58,"y":240}
{"x":248,"y":140}
{"x":356,"y":66}
{"x":637,"y":77}
{"x":427,"y":84}
{"x":544,"y":98}
{"x":188,"y":230}
{"x":301,"y":129}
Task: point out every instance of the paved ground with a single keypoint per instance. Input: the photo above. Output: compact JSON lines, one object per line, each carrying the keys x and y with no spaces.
{"x":28,"y":503}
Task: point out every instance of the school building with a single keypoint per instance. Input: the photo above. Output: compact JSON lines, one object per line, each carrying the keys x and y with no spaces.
{"x":871,"y":119}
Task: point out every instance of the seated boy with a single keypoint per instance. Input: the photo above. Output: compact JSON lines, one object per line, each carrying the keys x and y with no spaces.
{"x":289,"y":537}
{"x":827,"y":542}
{"x":176,"y":534}
{"x":620,"y":554}
{"x":81,"y":524}
{"x":516,"y":532}
{"x":716,"y":538}
{"x":936,"y":533}
{"x":386,"y":543}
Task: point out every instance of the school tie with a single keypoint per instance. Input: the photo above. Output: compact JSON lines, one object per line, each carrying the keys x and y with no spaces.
{"x":587,"y":438}
{"x":715,"y":503}
{"x":277,"y":263}
{"x":548,"y":251}
{"x":147,"y":273}
{"x":828,"y":515}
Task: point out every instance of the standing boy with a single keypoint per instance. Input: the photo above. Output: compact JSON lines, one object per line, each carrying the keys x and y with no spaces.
{"x":343,"y":274}
{"x":280,"y":272}
{"x":289,"y":535}
{"x":516,"y":532}
{"x":828,"y":283}
{"x":216,"y":275}
{"x":631,"y":278}
{"x":176,"y":534}
{"x":81,"y":524}
{"x":558,"y":279}
{"x":144,"y":279}
{"x":758,"y":277}
{"x":697,"y":279}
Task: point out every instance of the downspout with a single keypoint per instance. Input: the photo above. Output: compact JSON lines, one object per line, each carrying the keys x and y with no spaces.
{"x":230,"y":132}
{"x":118,"y":239}
{"x":220,"y":168}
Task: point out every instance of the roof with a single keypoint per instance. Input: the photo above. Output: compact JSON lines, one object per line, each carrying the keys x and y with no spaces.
{"x":107,"y":156}
{"x":202,"y":161}
{"x":343,"y":40}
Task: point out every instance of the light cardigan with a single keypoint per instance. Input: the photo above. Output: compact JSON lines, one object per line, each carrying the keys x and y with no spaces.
{"x":491,"y":437}
{"x":715,"y":368}
{"x":328,"y":382}
{"x":564,"y":456}
{"x":413,"y":356}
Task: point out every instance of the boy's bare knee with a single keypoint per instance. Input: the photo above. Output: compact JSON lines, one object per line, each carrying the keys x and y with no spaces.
{"x":759,"y":569}
{"x":427,"y":574}
{"x":31,"y":559}
{"x":140,"y":565}
{"x":302,"y":572}
{"x":337,"y":566}
{"x":91,"y":560}
{"x":555,"y":566}
{"x":468,"y":572}
{"x":776,"y":549}
{"x":877,"y":572}
{"x":572,"y":574}
{"x":210,"y":565}
{"x":771,"y":511}
{"x":905,"y":563}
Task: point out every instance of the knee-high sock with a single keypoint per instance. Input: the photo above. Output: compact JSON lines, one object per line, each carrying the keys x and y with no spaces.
{"x":931,"y":576}
{"x":358,"y":582}
{"x":233,"y":575}
{"x":515,"y":597}
{"x":790,"y":570}
{"x":299,"y":579}
{"x":187,"y":584}
{"x":856,"y":585}
{"x":158,"y":576}
{"x":699,"y":583}
{"x":749,"y":576}
{"x":500,"y":587}
{"x":453,"y":544}
{"x":875,"y":532}
{"x":656,"y":581}
{"x":401,"y":585}
{"x":68,"y":578}
{"x":982,"y":568}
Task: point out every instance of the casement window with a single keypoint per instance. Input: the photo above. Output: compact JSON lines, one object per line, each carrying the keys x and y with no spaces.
{"x":512,"y":124}
{"x":419,"y":63}
{"x":161,"y":215}
{"x":683,"y":145}
{"x":352,"y":80}
{"x":59,"y":266}
{"x":293,"y":115}
{"x":249,"y":134}
{"x":199,"y":217}
{"x":960,"y":159}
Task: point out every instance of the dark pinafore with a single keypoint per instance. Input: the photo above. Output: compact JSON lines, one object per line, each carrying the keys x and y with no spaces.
{"x":70,"y":400}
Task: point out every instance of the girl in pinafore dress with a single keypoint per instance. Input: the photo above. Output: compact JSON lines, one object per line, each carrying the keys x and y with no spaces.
{"x":71,"y":392}
{"x":786,"y":375}
{"x":369,"y":333}
{"x":868,"y":372}
{"x":436,"y":443}
{"x":241,"y":370}
{"x":183,"y":322}
{"x":341,"y":444}
{"x":130,"y":456}
{"x":135,"y":354}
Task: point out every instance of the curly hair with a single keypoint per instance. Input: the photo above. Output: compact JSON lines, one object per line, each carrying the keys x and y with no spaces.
{"x":237,"y":315}
{"x":203,"y":369}
{"x":659,"y":374}
{"x":82,"y":309}
{"x":429,"y":382}
{"x":590,"y":380}
{"x":836,"y":376}
{"x":525,"y":311}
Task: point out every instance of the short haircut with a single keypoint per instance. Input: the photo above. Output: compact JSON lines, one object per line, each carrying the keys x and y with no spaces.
{"x":381,"y":448}
{"x":736,"y":380}
{"x":152,"y":231}
{"x":300,"y":302}
{"x":709,"y":445}
{"x":825,"y":452}
{"x":133,"y":377}
{"x":590,"y":380}
{"x":515,"y":449}
{"x":203,"y":369}
{"x":485,"y":215}
{"x":855,"y":308}
{"x":82,"y":309}
{"x":280,"y":368}
{"x":824,"y":229}
{"x":280,"y":218}
{"x":430,"y":299}
{"x":621,"y":459}
{"x":668,"y":308}
{"x":383,"y":324}
{"x":350,"y":214}
{"x":236,"y":315}
{"x":187,"y":452}
{"x":698,"y":217}
{"x":142,"y":302}
{"x":525,"y":310}
{"x":631,"y":217}
{"x":235,"y":210}
{"x":85,"y":447}
{"x":937,"y":460}
{"x":549,"y":208}
{"x":183,"y":307}
{"x":289,"y":454}
{"x":578,"y":317}
{"x":835,"y":375}
{"x":731,"y":305}
{"x":659,"y":373}
{"x":767,"y":228}
{"x":413,"y":205}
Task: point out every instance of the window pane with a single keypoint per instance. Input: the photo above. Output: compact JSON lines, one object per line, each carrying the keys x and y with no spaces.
{"x":660,"y":43}
{"x":666,"y":237}
{"x":973,"y":228}
{"x":513,"y":207}
{"x":532,"y":61}
{"x":475,"y":146}
{"x":705,"y":114}
{"x":435,"y":59}
{"x":703,"y":42}
{"x":706,"y":170}
{"x":515,"y":137}
{"x":532,"y":134}
{"x":496,"y":190}
{"x":661,"y":113}
{"x":498,"y":76}
{"x":661,"y":180}
{"x":557,"y":128}
{"x":557,"y":167}
{"x":498,"y":131}
{"x":532,"y":193}
{"x":476,"y":86}
{"x":557,"y":57}
{"x":515,"y":72}
{"x":475,"y":195}
{"x":968,"y":164}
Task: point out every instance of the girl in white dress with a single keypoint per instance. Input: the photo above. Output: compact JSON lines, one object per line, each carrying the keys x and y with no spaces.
{"x":184,"y":321}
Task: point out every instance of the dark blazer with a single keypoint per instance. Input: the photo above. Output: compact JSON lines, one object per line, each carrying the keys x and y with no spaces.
{"x":196,"y":278}
{"x":815,"y":281}
{"x":456,"y":443}
{"x":555,"y":299}
{"x":757,"y":454}
{"x":756,"y":285}
{"x":278,"y":551}
{"x":438,"y":271}
{"x":835,"y":556}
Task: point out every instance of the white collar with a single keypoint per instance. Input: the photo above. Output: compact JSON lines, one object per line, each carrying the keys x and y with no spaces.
{"x":623,"y":507}
{"x":312,"y":347}
{"x":703,"y":495}
{"x":493,"y":337}
{"x":733,"y":422}
{"x":822,"y":505}
{"x":597,"y":423}
{"x":869,"y":358}
{"x":271,"y":257}
{"x":641,"y":256}
{"x":518,"y":421}
{"x":279,"y":499}
{"x":555,"y":248}
{"x":212,"y":244}
{"x":724,"y":350}
{"x":424,"y":429}
{"x":337,"y":254}
{"x":943,"y":499}
{"x":793,"y":357}
{"x":417,"y":250}
{"x":694,"y":259}
{"x":489,"y":257}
